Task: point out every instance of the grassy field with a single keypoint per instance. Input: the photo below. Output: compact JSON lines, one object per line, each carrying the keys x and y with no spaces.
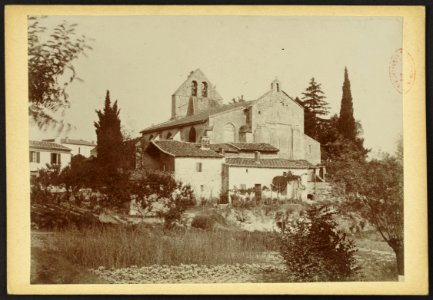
{"x":72,"y":252}
{"x":66,"y":256}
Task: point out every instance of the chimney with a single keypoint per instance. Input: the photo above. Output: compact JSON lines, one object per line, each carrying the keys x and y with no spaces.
{"x":205,"y":143}
{"x":257,"y":157}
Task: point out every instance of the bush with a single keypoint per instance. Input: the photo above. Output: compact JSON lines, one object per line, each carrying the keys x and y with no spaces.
{"x":203,"y":222}
{"x":314,"y":250}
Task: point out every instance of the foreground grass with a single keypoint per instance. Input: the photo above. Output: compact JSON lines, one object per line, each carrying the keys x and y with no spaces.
{"x":66,"y":256}
{"x":120,"y":246}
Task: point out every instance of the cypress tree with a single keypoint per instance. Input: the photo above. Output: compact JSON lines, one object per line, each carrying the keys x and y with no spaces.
{"x":346,"y":122}
{"x":109,"y":135}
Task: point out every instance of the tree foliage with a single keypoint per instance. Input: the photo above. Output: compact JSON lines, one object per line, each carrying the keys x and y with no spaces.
{"x":51,"y":55}
{"x":82,"y":172}
{"x":109,"y":136}
{"x":314,"y":250}
{"x":346,"y":123}
{"x":50,"y":175}
{"x":315,"y":106}
{"x":375,"y":190}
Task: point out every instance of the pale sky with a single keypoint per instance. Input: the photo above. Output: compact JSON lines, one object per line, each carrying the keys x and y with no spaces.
{"x":142,"y":60}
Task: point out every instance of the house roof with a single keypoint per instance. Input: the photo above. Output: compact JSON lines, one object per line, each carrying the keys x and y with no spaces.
{"x":73,"y":142}
{"x":224,"y":146}
{"x":184,"y":149}
{"x":262,"y":147}
{"x":277,"y":163}
{"x":196,"y":118}
{"x":48,"y":146}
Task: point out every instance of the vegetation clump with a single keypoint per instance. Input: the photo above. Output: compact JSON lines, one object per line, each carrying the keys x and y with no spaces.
{"x":314,"y":250}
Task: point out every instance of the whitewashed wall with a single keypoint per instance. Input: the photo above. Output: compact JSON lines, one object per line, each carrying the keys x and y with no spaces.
{"x":45,"y":158}
{"x":209,"y":177}
{"x":252,"y":176}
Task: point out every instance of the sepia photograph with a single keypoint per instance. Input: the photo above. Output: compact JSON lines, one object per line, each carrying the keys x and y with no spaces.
{"x":191,"y":149}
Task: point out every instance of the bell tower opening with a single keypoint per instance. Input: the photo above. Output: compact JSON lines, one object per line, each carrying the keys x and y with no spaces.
{"x":276,"y":85}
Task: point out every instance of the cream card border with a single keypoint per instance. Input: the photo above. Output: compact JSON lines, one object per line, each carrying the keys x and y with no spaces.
{"x":18,"y":203}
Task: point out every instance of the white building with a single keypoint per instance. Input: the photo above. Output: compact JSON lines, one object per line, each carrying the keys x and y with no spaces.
{"x":257,"y":174}
{"x":80,"y":146}
{"x":191,"y":164}
{"x":221,"y":169}
{"x":42,"y":153}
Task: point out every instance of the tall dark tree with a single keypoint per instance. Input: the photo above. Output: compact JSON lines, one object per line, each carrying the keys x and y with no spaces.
{"x":315,"y":107}
{"x":346,"y":124}
{"x":109,"y":136}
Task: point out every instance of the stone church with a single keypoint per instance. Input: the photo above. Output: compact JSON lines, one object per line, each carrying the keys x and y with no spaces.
{"x":274,"y":118}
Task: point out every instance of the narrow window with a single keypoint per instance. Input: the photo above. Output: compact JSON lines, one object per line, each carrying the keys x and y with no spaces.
{"x":192,"y":135}
{"x":202,"y":188}
{"x":199,"y":167}
{"x":278,"y":87}
{"x":246,"y":170}
{"x":194,"y":88}
{"x":309,"y":148}
{"x":55,"y":158}
{"x":79,"y":148}
{"x":204,"y":89}
{"x":34,"y":156}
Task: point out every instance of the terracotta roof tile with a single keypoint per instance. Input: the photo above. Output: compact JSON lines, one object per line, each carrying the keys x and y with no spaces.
{"x":72,"y":142}
{"x":184,"y":149}
{"x":268,"y":163}
{"x":225,"y":146}
{"x":47,"y":146}
{"x":262,"y":147}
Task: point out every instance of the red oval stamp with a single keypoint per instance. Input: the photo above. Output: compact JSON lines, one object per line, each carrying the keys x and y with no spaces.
{"x":402,"y":77}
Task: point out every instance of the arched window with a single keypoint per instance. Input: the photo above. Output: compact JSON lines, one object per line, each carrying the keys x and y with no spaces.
{"x":229,"y":133}
{"x":192,"y":135}
{"x":194,"y":88}
{"x":168,"y":136}
{"x":204,"y":89}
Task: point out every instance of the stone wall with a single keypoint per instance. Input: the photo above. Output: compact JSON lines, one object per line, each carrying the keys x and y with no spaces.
{"x":235,"y":118}
{"x":279,"y":121}
{"x":184,"y":102}
{"x":312,"y":150}
{"x":184,"y":131}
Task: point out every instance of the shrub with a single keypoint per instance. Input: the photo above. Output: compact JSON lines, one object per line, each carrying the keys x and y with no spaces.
{"x":314,"y":250}
{"x":203,"y":222}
